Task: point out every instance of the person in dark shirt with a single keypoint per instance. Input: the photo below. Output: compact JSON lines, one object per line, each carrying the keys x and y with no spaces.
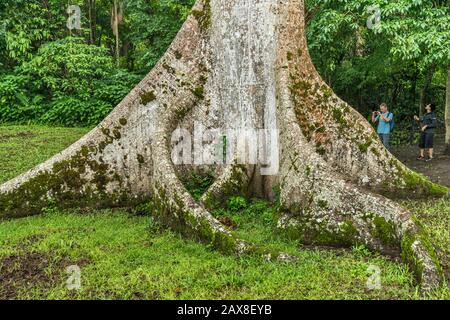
{"x":427,"y":124}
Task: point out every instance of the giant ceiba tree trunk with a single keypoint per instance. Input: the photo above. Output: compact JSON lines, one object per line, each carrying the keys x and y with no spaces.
{"x":241,"y":64}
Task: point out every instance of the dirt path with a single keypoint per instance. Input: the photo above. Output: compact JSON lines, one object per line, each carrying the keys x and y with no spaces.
{"x":437,"y":170}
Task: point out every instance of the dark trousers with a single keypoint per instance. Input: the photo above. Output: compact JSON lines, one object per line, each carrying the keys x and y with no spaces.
{"x":385,"y":138}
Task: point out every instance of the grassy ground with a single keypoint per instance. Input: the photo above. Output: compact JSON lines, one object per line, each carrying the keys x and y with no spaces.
{"x":125,"y":256}
{"x":22,"y":147}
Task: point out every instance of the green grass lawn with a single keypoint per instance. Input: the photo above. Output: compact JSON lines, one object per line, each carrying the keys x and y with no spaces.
{"x":125,"y":256}
{"x":22,"y":147}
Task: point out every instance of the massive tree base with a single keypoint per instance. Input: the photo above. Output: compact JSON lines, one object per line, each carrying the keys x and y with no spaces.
{"x":241,"y":64}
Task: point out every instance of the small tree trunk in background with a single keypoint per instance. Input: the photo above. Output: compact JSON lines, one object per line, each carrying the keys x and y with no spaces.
{"x":116,"y":24}
{"x":91,"y":36}
{"x":447,"y":113}
{"x":115,"y":20}
{"x":92,"y":22}
{"x":360,"y":43}
{"x":424,"y":91}
{"x":99,"y":37}
{"x":414,"y":89}
{"x":412,"y":124}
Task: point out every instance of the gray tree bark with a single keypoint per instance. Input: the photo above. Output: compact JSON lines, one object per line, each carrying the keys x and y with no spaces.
{"x":242,"y":64}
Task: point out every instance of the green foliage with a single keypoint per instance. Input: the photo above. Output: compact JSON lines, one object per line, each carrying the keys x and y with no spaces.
{"x":197,"y":183}
{"x":243,"y":212}
{"x":26,"y":26}
{"x":144,"y":209}
{"x":75,"y":112}
{"x":411,"y":30}
{"x":68,"y":66}
{"x":418,"y":30}
{"x":361,"y":251}
{"x":389,"y":63}
{"x":73,"y":84}
{"x":14,"y":99}
{"x":365,"y":67}
{"x":47,"y":76}
{"x":405,"y":137}
{"x":235,"y":204}
{"x":384,"y":231}
{"x":153,"y":25}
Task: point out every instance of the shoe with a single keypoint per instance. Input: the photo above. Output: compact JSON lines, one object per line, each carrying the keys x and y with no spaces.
{"x":429,"y":159}
{"x":420,"y":158}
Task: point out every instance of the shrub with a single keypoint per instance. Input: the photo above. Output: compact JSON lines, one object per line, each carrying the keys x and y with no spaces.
{"x":74,"y":84}
{"x":237,"y":203}
{"x":15,"y":103}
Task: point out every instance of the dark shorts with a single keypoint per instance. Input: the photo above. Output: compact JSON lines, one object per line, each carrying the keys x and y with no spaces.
{"x":426,"y":140}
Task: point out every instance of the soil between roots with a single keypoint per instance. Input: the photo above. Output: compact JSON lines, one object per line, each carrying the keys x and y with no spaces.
{"x":437,"y":170}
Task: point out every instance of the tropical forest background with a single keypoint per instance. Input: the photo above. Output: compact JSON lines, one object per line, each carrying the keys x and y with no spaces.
{"x":55,"y":76}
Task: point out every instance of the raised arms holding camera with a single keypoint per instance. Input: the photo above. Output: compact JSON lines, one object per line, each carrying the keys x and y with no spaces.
{"x":385,"y":122}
